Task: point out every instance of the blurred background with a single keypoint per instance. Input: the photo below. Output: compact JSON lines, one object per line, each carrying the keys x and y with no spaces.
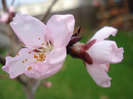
{"x":73,"y":81}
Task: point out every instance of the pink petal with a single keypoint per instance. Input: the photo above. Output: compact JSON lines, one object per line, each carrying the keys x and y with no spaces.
{"x":56,"y":56}
{"x":61,"y":28}
{"x":106,"y":52}
{"x":104,"y":33}
{"x":105,"y":67}
{"x":50,"y":66}
{"x":11,"y":9}
{"x":98,"y":75}
{"x":18,"y":65}
{"x":29,"y":29}
{"x":4,"y":17}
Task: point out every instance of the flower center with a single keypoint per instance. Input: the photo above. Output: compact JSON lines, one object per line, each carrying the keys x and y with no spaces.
{"x":42,"y":52}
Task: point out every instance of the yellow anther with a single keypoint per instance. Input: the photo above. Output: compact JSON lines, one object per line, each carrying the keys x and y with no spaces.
{"x":21,"y":45}
{"x":35,"y":56}
{"x":26,"y":60}
{"x":17,"y":54}
{"x":29,"y":68}
{"x":39,"y":38}
{"x":40,"y":55}
{"x":37,"y":59}
{"x":22,"y":61}
{"x":29,"y":52}
{"x":42,"y":44}
{"x":35,"y":49}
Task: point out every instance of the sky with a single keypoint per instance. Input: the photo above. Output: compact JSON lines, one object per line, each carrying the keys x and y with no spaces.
{"x":21,"y":2}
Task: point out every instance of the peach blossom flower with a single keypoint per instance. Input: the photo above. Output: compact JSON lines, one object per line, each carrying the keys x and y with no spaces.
{"x":46,"y":45}
{"x":100,"y":53}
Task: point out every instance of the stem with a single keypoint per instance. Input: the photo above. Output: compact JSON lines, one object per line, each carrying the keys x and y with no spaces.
{"x":4,"y":6}
{"x":31,"y":88}
{"x":28,"y":93}
{"x":2,"y":60}
{"x":49,"y":10}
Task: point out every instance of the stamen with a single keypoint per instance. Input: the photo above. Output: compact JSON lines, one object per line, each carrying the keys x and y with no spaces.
{"x":49,"y":44}
{"x":36,"y":50}
{"x":42,"y":44}
{"x":35,"y":56}
{"x":39,"y":38}
{"x":29,"y":68}
{"x":22,"y":61}
{"x":40,"y":55}
{"x":29,"y":52}
{"x":26,"y":60}
{"x":17,"y":54}
{"x":22,"y":45}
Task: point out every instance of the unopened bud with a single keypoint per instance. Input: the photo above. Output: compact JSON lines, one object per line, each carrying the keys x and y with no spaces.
{"x":47,"y":84}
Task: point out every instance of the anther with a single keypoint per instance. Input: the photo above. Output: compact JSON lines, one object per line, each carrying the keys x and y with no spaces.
{"x":29,"y":68}
{"x":22,"y":45}
{"x":39,"y":38}
{"x":17,"y":54}
{"x":22,"y":61}
{"x":42,"y":44}
{"x":26,"y":60}
{"x":35,"y":56}
{"x":29,"y":52}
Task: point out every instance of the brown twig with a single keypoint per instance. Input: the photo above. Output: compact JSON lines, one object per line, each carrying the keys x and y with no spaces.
{"x":2,"y":60}
{"x":19,"y":79}
{"x":4,"y":6}
{"x":49,"y":10}
{"x":12,"y":3}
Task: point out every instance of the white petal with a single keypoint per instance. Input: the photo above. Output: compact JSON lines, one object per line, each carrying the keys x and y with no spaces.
{"x":30,"y":30}
{"x":61,"y":28}
{"x":104,"y":33}
{"x":106,"y":51}
{"x":19,"y":64}
{"x":98,"y":75}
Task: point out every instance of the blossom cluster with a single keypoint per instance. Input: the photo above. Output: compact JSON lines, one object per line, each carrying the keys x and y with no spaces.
{"x":46,"y":51}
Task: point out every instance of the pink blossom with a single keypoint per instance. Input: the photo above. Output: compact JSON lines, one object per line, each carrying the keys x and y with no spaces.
{"x":4,"y":17}
{"x":7,"y":16}
{"x":46,"y":45}
{"x":47,"y":84}
{"x":11,"y":9}
{"x":102,"y":52}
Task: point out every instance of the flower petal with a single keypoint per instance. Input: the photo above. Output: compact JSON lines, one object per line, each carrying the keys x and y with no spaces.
{"x":98,"y":75}
{"x":105,"y":52}
{"x":11,"y":9}
{"x":105,"y":67}
{"x":61,"y":28}
{"x":56,"y":56}
{"x":43,"y":70}
{"x":50,"y":66}
{"x":19,"y":64}
{"x":104,"y":33}
{"x":4,"y":17}
{"x":30,"y":30}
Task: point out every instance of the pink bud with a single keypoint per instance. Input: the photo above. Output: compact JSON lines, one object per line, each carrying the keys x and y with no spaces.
{"x":11,"y":9}
{"x":47,"y":84}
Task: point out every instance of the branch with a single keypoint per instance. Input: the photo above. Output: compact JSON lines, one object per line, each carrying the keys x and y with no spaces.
{"x":2,"y":60}
{"x":12,"y":3}
{"x":4,"y":76}
{"x":49,"y":10}
{"x":19,"y":79}
{"x":4,"y":6}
